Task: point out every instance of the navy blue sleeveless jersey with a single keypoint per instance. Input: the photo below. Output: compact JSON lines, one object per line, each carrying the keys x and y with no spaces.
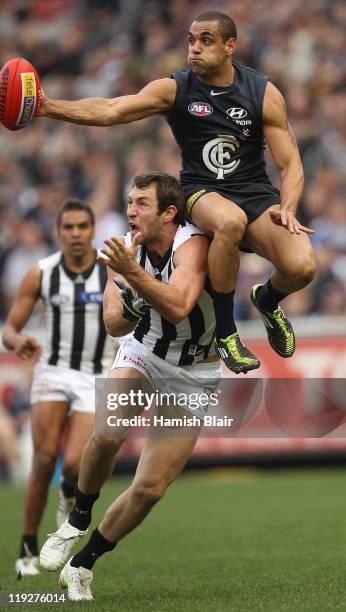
{"x":219,"y":129}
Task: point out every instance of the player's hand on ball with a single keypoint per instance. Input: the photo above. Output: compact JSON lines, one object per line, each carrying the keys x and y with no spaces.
{"x":20,"y":91}
{"x":41,"y":107}
{"x":26,"y":347}
{"x":287,"y":219}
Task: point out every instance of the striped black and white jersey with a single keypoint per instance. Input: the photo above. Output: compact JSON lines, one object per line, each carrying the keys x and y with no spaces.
{"x":191,"y":340}
{"x":75,"y":335}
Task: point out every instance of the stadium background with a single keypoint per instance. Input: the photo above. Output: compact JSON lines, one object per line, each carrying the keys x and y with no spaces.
{"x":224,"y":539}
{"x":108,"y":48}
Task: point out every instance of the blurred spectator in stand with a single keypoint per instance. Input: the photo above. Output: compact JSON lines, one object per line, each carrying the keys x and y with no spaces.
{"x":110,"y":48}
{"x":29,"y":247}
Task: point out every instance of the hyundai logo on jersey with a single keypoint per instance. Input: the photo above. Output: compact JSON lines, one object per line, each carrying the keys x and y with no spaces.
{"x":236,"y":113}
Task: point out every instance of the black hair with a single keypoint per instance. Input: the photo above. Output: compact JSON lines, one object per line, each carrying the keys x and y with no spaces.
{"x":74,"y":204}
{"x":227,"y":26}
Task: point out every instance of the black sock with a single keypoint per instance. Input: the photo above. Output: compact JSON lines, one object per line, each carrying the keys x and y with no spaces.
{"x":28,"y":546}
{"x":80,"y":516}
{"x":268,"y":297}
{"x":67,"y":488}
{"x":223,"y":306}
{"x":97,"y":546}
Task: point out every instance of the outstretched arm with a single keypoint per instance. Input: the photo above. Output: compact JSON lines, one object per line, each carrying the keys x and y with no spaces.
{"x":28,"y":293}
{"x":284,"y":149}
{"x":156,"y":97}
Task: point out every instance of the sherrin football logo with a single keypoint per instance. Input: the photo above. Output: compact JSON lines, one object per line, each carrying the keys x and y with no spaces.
{"x":200,"y":109}
{"x":3,"y":92}
{"x":28,"y":98}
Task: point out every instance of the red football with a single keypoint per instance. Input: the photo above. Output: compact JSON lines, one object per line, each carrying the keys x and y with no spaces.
{"x":19,"y":93}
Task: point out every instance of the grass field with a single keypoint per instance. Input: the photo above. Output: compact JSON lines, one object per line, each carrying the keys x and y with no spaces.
{"x":220,"y":540}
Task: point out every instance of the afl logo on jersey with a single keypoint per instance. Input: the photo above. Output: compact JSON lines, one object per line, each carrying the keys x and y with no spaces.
{"x":200,"y":109}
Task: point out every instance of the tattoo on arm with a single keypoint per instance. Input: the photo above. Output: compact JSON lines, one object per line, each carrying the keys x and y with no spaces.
{"x":288,"y":127}
{"x":291,"y":135}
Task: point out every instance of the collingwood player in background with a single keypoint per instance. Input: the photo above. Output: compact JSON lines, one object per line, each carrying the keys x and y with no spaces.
{"x":173,"y":339}
{"x":221,"y":114}
{"x":76,"y":348}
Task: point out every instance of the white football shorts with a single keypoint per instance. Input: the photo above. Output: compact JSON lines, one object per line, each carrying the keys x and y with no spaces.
{"x":199,"y":378}
{"x":57,"y":384}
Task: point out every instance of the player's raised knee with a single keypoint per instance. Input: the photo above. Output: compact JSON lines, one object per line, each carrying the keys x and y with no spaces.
{"x":304,"y":269}
{"x":231,"y":227}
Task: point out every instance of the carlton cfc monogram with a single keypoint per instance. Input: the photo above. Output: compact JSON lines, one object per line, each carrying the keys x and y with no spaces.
{"x":217,"y":157}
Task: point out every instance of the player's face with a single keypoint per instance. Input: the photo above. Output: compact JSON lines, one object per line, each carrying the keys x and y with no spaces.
{"x":143,"y":215}
{"x":207,"y":51}
{"x":75,"y":233}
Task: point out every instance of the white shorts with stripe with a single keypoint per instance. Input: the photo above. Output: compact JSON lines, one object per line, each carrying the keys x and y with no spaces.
{"x":197,"y":378}
{"x":57,"y":384}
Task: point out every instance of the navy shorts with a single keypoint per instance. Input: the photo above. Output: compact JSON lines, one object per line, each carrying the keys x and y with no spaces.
{"x":252,"y":198}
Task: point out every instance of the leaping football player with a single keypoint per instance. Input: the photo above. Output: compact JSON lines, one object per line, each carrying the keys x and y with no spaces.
{"x":221,"y":113}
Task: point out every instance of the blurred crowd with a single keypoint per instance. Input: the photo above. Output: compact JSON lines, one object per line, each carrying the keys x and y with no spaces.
{"x":108,"y":48}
